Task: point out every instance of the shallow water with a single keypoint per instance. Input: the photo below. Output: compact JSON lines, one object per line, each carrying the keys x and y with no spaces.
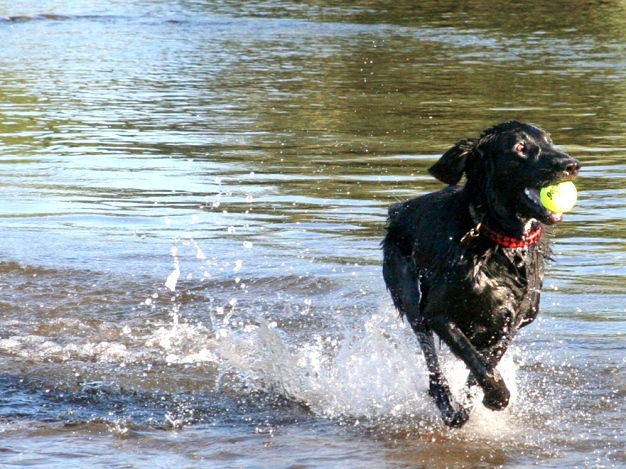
{"x":192,"y":201}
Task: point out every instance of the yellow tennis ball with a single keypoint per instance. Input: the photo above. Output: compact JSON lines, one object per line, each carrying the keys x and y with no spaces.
{"x":559,"y":198}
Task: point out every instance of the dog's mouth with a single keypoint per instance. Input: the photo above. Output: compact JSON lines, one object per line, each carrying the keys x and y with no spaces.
{"x":538,"y":211}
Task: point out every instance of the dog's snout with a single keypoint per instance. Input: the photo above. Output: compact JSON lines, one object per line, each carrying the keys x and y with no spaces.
{"x":566,"y":165}
{"x":571,"y":166}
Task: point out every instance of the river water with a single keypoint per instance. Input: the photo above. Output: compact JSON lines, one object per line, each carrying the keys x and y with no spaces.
{"x":192,"y":199}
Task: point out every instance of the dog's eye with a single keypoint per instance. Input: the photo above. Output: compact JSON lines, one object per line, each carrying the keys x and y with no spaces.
{"x":520,"y":147}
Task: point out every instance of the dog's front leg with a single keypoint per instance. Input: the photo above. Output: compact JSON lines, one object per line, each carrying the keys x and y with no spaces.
{"x":438,"y":386}
{"x":496,"y":393}
{"x":492,"y":357}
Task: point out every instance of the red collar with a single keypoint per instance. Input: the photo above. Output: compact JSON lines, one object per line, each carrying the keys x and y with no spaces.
{"x":508,"y":241}
{"x":498,"y":238}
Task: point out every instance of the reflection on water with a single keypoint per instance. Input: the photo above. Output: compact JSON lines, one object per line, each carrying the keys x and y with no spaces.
{"x":249,"y":151}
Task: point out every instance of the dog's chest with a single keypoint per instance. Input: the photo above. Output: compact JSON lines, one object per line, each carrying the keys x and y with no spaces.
{"x":489,"y":291}
{"x":505,"y":277}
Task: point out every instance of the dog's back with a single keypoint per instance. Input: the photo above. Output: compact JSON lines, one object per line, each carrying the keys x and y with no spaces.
{"x":418,"y":235}
{"x":428,"y":223}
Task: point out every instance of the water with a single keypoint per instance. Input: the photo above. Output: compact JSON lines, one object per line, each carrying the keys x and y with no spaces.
{"x":193,"y":194}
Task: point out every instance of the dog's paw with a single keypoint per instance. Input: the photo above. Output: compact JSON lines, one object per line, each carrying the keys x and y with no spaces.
{"x":456,"y":419}
{"x":497,"y":400}
{"x":497,"y":395}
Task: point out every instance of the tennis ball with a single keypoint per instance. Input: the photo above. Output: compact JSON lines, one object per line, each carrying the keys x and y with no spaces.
{"x":559,"y":198}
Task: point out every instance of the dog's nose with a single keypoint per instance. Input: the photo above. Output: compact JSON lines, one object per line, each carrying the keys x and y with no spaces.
{"x":572,"y":166}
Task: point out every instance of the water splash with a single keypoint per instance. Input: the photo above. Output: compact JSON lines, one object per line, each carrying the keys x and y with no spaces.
{"x":370,"y":372}
{"x":374,"y":372}
{"x":172,"y":279}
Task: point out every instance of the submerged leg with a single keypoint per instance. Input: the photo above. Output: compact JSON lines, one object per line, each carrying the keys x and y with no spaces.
{"x":453,"y":414}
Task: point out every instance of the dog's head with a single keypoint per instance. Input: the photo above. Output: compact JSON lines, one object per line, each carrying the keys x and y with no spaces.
{"x":506,"y":168}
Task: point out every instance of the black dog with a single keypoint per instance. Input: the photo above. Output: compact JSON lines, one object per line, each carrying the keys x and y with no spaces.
{"x":467,"y":262}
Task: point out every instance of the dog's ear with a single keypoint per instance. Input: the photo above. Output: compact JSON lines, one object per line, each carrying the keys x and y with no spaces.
{"x":451,"y":165}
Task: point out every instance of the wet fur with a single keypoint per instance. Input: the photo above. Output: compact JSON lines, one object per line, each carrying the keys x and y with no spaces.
{"x":474,"y":295}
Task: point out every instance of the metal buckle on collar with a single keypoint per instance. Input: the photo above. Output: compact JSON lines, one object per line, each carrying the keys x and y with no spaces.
{"x":471,"y":234}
